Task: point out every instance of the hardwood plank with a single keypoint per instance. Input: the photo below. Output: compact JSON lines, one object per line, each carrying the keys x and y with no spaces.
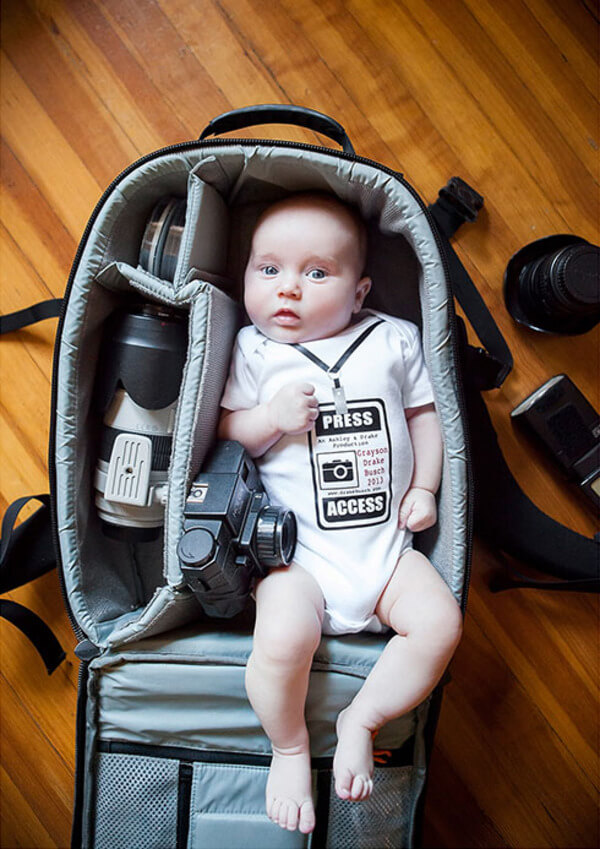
{"x":50,"y":158}
{"x":573,"y":28}
{"x":33,"y":754}
{"x":54,"y":81}
{"x":150,"y":37}
{"x":524,"y":63}
{"x":29,"y":234}
{"x":494,"y":724}
{"x":20,"y":826}
{"x":113,"y":72}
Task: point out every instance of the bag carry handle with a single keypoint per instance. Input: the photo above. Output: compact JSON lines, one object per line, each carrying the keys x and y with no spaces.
{"x":279,"y":113}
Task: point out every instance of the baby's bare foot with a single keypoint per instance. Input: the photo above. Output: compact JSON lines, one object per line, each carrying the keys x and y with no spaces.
{"x":289,"y":799}
{"x":353,"y":760}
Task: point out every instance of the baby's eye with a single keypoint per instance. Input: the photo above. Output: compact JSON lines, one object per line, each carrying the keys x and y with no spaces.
{"x":268,"y":270}
{"x":317,"y":274}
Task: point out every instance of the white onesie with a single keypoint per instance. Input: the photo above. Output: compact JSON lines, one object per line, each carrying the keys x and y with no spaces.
{"x":346,"y":477}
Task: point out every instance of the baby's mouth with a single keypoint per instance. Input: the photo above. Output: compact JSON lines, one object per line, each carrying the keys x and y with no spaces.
{"x":285,"y":316}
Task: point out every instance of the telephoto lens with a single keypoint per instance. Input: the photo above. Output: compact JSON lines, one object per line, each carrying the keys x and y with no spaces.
{"x":553,"y":285}
{"x":162,"y":238}
{"x":141,"y":362}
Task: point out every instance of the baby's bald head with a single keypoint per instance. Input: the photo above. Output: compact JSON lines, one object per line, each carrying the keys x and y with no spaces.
{"x":321,"y":203}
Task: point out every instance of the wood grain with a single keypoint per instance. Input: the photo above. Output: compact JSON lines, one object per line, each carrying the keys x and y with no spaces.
{"x":503,"y":94}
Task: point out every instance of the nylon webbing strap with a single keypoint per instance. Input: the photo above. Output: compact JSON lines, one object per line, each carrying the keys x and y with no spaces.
{"x":508,"y":520}
{"x":345,"y":356}
{"x":473,"y":305}
{"x":30,"y":315}
{"x":36,"y":630}
{"x":26,"y":553}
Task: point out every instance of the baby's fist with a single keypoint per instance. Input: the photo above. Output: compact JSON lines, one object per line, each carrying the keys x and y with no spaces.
{"x":294,"y":408}
{"x":418,"y":510}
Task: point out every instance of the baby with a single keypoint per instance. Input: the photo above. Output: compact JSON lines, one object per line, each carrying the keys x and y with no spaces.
{"x":336,"y":405}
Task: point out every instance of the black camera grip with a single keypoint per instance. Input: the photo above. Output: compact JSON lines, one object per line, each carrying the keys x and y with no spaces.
{"x":279,"y":113}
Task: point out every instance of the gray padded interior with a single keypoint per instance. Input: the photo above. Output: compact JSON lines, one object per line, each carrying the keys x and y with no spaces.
{"x":120,"y":592}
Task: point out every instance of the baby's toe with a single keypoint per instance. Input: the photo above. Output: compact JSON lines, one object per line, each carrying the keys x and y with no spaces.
{"x":367,"y":789}
{"x":343,"y":784}
{"x":356,"y":790}
{"x":307,"y":818}
{"x":289,"y":820}
{"x":273,"y":812}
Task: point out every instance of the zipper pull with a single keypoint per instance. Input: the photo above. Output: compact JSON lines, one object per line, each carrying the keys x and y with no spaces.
{"x":87,"y":651}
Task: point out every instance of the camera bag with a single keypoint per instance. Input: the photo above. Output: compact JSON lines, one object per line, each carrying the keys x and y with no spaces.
{"x":169,"y":752}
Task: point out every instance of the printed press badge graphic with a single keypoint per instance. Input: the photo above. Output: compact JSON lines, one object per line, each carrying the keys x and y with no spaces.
{"x":350,"y":459}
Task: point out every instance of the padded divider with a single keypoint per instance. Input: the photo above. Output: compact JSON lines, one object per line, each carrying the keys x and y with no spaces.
{"x":214,"y":320}
{"x":203,"y":249}
{"x":227,"y":810}
{"x":133,"y":203}
{"x":188,"y":689}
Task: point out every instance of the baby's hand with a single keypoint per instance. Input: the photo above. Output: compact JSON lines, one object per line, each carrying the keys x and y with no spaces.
{"x":418,"y":510}
{"x":294,"y":408}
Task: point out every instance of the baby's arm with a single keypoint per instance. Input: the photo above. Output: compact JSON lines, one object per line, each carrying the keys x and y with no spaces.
{"x":292,"y":410}
{"x":418,"y":509}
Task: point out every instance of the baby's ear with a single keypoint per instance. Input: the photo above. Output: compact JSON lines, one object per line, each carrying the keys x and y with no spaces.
{"x":362,"y":290}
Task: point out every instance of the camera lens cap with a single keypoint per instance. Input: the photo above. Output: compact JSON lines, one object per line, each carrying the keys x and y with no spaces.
{"x":577,"y":275}
{"x":196,"y":547}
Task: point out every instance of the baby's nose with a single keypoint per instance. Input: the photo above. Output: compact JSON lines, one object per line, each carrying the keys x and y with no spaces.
{"x":289,"y":286}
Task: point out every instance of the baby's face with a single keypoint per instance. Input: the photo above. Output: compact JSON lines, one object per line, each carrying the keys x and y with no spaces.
{"x":302,"y":281}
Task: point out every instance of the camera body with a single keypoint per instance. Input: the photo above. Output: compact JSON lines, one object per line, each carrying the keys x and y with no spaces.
{"x":561,"y":417}
{"x":232,"y":535}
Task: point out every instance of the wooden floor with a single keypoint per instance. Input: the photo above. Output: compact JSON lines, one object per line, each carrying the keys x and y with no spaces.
{"x":501,"y":92}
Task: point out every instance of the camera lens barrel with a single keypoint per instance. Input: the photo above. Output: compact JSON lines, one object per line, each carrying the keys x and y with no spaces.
{"x":162,"y":238}
{"x":565,"y":284}
{"x":275,"y":536}
{"x":553,"y":285}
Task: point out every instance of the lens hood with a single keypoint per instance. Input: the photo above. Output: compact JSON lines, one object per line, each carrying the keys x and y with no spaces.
{"x":552,"y":289}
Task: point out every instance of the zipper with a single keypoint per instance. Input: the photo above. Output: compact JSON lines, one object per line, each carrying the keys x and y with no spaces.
{"x":80,"y":724}
{"x":184,"y":799}
{"x":216,"y":142}
{"x":401,"y":756}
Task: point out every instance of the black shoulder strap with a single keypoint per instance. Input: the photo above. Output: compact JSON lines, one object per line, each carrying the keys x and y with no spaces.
{"x":30,"y":315}
{"x":507,"y":519}
{"x":457,"y":202}
{"x":26,"y":552}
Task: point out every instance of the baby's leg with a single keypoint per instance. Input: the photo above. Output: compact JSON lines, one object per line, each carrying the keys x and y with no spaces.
{"x":418,"y":605}
{"x":289,"y":612}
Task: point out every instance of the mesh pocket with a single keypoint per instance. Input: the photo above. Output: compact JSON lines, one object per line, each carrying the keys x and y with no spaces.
{"x":136,"y":802}
{"x":384,"y":821}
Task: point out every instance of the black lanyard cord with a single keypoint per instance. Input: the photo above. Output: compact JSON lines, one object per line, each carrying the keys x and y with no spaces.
{"x":347,"y":353}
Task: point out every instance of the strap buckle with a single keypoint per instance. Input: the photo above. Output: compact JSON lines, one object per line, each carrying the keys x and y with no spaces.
{"x":484,"y":370}
{"x":462,"y":198}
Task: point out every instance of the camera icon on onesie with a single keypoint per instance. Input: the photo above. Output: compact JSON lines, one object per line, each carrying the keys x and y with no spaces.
{"x":338,"y":470}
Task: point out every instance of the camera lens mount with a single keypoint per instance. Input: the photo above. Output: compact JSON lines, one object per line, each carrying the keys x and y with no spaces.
{"x":275,"y":536}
